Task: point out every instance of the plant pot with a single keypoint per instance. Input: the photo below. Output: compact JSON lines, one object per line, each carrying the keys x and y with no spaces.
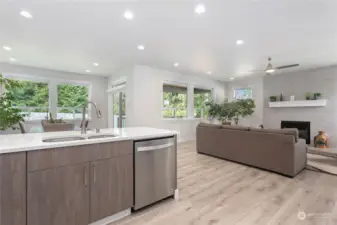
{"x":272,"y":98}
{"x":56,"y":127}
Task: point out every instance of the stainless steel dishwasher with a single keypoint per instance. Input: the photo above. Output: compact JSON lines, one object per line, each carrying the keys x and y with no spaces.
{"x":155,"y":170}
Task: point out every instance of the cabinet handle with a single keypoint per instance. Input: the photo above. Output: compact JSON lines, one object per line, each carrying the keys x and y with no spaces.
{"x":94,"y":168}
{"x":85,"y":176}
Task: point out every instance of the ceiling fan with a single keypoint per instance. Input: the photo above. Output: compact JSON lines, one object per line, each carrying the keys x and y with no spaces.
{"x":271,"y":69}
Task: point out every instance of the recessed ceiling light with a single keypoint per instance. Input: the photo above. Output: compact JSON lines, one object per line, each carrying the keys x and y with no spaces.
{"x":200,"y":8}
{"x":128,"y":15}
{"x":12,"y":59}
{"x":240,"y":42}
{"x":95,"y":64}
{"x":232,"y":78}
{"x":26,"y":14}
{"x":209,"y":72}
{"x":7,"y":48}
{"x":141,"y":47}
{"x":88,"y":71}
{"x":176,"y":64}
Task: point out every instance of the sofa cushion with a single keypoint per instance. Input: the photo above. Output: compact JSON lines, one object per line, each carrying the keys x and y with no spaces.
{"x":286,"y":131}
{"x":291,"y":131}
{"x":210,"y":125}
{"x":235,"y":127}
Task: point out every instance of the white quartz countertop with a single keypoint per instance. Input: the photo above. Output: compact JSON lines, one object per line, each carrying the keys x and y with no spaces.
{"x":34,"y":141}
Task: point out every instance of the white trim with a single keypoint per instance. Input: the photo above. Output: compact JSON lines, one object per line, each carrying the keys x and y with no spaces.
{"x":113,"y":218}
{"x":181,"y":119}
{"x":118,"y":85}
{"x":37,"y":78}
{"x":303,"y":103}
{"x":175,"y":83}
{"x":120,"y":88}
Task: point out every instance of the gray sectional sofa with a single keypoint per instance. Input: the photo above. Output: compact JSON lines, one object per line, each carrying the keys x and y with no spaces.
{"x":277,"y":150}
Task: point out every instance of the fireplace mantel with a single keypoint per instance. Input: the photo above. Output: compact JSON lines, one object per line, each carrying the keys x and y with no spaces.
{"x":302,"y":103}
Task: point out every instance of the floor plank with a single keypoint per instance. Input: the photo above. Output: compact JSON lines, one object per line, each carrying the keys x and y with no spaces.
{"x":215,"y":191}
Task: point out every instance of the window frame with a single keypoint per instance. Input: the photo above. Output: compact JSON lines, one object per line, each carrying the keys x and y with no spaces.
{"x":52,"y":87}
{"x":21,"y":77}
{"x":179,"y":84}
{"x":212,"y":99}
{"x":76,"y":83}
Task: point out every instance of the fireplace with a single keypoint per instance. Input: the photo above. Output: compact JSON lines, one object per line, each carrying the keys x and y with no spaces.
{"x":303,"y":128}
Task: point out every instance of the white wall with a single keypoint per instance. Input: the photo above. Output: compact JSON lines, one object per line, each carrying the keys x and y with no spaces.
{"x":256,"y":83}
{"x":323,"y":80}
{"x":146,"y":97}
{"x":98,"y":85}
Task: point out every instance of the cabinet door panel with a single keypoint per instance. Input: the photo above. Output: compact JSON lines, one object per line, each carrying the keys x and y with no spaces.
{"x":13,"y":189}
{"x":59,"y":196}
{"x":111,"y":186}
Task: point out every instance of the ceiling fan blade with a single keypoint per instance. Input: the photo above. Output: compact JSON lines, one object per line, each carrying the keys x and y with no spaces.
{"x":254,"y":71}
{"x":286,"y":66}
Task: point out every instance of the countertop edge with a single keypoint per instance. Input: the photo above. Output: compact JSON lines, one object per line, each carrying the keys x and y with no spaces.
{"x":44,"y":145}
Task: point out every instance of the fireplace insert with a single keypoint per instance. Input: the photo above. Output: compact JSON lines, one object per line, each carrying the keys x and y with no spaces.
{"x":302,"y":126}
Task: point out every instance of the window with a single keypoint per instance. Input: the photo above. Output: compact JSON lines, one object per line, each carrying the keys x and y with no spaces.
{"x":70,"y":99}
{"x":201,"y":97}
{"x":33,"y":99}
{"x":243,"y":93}
{"x":174,"y":101}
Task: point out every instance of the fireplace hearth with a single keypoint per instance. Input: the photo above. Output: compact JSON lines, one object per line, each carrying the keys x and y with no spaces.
{"x":302,"y":126}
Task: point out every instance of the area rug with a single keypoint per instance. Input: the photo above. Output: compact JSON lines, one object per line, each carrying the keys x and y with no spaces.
{"x":322,"y":164}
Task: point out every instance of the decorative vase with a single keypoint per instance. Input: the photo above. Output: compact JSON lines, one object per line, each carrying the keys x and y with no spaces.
{"x":281,"y":98}
{"x":321,"y":140}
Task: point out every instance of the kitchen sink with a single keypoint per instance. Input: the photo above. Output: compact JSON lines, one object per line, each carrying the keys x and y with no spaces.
{"x":63,"y":139}
{"x":102,"y":136}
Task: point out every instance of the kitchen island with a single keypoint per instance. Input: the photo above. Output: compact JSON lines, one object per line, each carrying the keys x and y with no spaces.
{"x":71,"y":179}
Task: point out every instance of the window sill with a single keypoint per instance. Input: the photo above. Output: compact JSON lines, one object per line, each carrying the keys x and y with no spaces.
{"x":181,"y":119}
{"x":66,"y":120}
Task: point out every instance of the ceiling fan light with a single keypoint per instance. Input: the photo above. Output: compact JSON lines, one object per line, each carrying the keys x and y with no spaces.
{"x":270,"y":71}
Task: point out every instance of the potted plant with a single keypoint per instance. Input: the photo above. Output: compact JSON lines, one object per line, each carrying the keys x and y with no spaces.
{"x":317,"y":96}
{"x":308,"y":96}
{"x":9,"y":116}
{"x":52,"y":125}
{"x":213,"y":110}
{"x":226,"y":113}
{"x":242,"y":108}
{"x":273,"y":98}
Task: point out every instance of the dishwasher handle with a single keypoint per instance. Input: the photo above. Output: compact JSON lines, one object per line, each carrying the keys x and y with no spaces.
{"x":154,"y":147}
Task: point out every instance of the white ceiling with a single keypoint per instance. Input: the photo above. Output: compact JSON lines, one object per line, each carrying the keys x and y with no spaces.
{"x":71,"y":35}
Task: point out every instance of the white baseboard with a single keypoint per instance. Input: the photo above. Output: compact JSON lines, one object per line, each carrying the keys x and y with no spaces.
{"x":113,"y":218}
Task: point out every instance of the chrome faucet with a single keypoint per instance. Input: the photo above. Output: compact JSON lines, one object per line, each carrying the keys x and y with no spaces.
{"x":83,"y":123}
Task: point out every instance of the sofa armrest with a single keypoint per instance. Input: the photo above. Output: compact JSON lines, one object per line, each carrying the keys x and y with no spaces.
{"x":300,"y":156}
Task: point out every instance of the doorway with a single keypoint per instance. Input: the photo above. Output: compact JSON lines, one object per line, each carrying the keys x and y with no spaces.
{"x":119,"y":113}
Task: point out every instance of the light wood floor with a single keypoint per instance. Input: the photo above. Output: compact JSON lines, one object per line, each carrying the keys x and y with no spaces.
{"x":215,"y":191}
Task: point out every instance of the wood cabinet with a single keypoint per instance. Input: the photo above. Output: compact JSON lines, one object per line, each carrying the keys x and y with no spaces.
{"x":13,"y":189}
{"x":111,"y":186}
{"x":59,"y":196}
{"x":69,"y":190}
